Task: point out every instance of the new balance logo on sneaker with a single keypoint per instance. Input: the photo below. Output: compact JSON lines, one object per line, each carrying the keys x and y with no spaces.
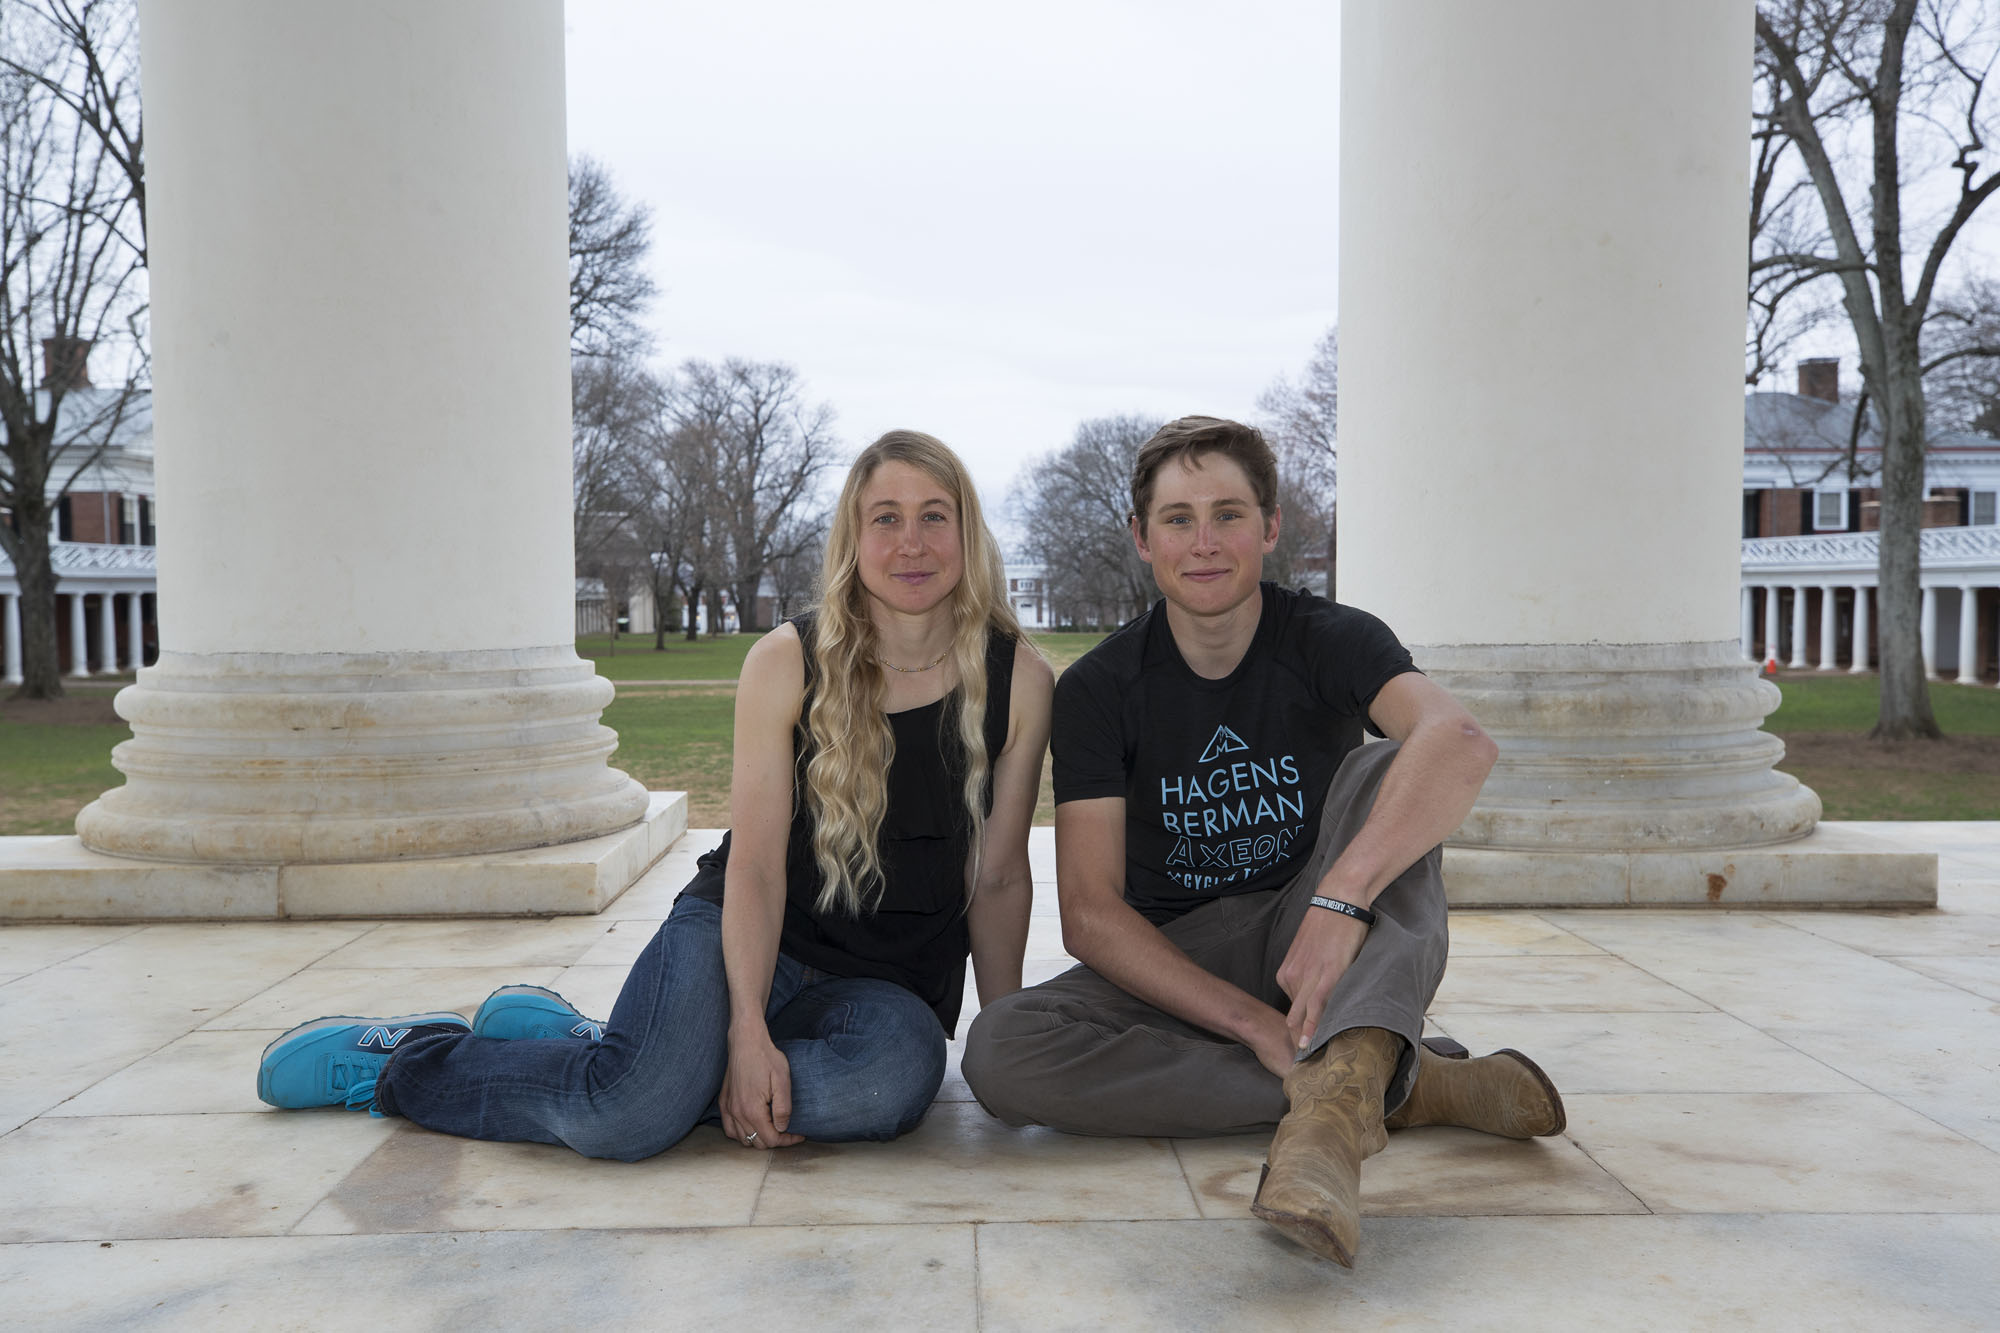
{"x":336,"y":1061}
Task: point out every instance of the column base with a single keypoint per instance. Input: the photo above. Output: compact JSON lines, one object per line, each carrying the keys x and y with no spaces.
{"x":1623,"y":747}
{"x":59,"y":879}
{"x":283,"y":759}
{"x":1833,"y":866}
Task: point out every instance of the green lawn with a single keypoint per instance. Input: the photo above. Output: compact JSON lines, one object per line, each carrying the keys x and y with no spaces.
{"x":633,"y":657}
{"x":54,"y":761}
{"x":1849,"y":703}
{"x":1824,"y":721}
{"x":56,"y":758}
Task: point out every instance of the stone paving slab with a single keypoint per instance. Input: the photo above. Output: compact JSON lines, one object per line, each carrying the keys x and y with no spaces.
{"x":1778,"y":1118}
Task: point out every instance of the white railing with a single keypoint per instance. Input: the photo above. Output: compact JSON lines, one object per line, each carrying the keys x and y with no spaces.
{"x":95,"y":558}
{"x":1860,"y":552}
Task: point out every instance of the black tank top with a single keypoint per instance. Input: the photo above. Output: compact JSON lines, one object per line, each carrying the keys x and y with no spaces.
{"x":916,"y":936}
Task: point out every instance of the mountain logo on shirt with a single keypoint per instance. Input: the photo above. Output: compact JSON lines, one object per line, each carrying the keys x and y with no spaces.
{"x":1223,"y":742}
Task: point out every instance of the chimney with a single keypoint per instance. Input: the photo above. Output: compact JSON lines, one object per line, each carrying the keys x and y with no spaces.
{"x":66,"y":363}
{"x":1819,"y":377}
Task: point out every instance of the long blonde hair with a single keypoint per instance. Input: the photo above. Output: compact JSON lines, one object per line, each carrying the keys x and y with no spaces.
{"x":847,"y":779}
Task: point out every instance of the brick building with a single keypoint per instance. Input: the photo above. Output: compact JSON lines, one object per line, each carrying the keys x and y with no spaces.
{"x":1811,"y":511}
{"x":107,"y":617}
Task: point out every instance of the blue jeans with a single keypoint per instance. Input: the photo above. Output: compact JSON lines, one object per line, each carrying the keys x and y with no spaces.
{"x":866,"y":1058}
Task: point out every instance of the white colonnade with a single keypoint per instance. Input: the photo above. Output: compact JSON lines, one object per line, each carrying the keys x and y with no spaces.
{"x":361,"y":413}
{"x":1845,"y":612}
{"x":1588,"y":217}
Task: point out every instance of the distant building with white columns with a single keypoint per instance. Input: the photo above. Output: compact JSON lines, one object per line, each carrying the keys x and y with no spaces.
{"x":106,"y":608}
{"x":1811,"y":509}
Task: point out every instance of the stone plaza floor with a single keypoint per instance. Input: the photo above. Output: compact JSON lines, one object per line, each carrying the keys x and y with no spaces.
{"x":1776,"y":1118}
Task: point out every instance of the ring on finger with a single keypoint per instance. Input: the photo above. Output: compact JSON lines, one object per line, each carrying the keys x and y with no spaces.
{"x":751,"y":1137}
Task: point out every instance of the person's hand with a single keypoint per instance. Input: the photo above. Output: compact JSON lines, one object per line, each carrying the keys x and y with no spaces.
{"x":756,"y":1100}
{"x":1325,"y":945}
{"x":1272,"y":1043}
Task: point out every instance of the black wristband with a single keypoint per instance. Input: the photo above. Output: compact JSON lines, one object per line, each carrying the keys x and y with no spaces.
{"x":1361,"y":914}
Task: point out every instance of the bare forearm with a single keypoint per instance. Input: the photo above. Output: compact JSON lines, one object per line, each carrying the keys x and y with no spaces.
{"x":1132,"y":953}
{"x":999,"y":922}
{"x":1426,"y":794}
{"x":752,"y":919}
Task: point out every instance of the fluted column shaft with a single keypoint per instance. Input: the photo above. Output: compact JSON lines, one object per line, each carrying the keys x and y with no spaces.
{"x":1799,"y":612}
{"x":1862,"y":631}
{"x":1927,"y":631}
{"x":10,"y":625}
{"x":79,"y":637}
{"x":357,"y":224}
{"x":1968,"y":634}
{"x":135,"y":630}
{"x":1596,"y":649}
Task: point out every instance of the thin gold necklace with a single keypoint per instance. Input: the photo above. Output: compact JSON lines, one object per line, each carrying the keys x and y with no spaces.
{"x":911,"y":671}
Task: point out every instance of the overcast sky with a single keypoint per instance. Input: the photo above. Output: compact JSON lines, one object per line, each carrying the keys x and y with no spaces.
{"x":988,"y":224}
{"x":991,"y":223}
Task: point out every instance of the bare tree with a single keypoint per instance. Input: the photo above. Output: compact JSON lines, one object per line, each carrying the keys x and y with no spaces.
{"x":71,"y":280}
{"x":1962,"y":359}
{"x":771,"y":447}
{"x":609,"y":289}
{"x":1301,"y":419}
{"x":98,"y":83}
{"x":614,"y":403}
{"x":673,"y":518}
{"x":795,"y":568}
{"x":1908,"y":78}
{"x":1072,"y":504}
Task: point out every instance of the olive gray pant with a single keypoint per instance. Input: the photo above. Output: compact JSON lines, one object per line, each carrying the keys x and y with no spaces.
{"x":1078,"y":1054}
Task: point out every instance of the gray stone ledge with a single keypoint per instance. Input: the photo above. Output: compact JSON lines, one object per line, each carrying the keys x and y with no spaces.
{"x":59,"y":879}
{"x":1833,"y":866}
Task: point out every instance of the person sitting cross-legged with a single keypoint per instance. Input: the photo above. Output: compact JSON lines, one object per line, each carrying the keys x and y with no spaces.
{"x":1252,"y":891}
{"x":888,"y":750}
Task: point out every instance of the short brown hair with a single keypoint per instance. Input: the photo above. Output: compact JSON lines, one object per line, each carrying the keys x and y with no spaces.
{"x":1187,"y":439}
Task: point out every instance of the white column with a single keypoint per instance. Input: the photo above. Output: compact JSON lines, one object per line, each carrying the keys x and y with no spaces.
{"x":1770,"y":624}
{"x":1862,"y":653}
{"x":11,"y":627}
{"x":1927,"y":626}
{"x":1747,"y":626}
{"x":372,"y":599}
{"x":79,"y":638}
{"x":1608,"y":235}
{"x":1968,"y":635}
{"x":1798,"y":626}
{"x":1829,"y":628}
{"x":135,"y":630}
{"x":107,"y":633}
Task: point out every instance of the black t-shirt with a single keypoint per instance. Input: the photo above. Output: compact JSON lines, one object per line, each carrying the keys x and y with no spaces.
{"x":917,"y":935}
{"x":1222,"y":779}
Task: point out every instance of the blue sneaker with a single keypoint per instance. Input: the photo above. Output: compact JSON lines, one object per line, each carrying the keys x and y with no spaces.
{"x":514,"y":1012}
{"x":335,"y":1061}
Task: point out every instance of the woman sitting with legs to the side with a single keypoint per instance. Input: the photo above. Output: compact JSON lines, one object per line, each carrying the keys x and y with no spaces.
{"x":887,"y":757}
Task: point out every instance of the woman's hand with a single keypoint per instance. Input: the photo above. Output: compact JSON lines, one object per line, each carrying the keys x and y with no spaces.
{"x":756,"y":1098}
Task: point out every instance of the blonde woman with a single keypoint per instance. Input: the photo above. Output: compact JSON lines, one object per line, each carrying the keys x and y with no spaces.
{"x":887,"y":756}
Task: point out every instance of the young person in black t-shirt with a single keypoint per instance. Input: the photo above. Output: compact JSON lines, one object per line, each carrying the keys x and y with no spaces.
{"x":887,"y":753}
{"x":1252,"y":891}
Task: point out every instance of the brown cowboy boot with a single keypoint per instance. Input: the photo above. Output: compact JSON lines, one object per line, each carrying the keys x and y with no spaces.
{"x":1311,"y":1186}
{"x":1504,"y":1093}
